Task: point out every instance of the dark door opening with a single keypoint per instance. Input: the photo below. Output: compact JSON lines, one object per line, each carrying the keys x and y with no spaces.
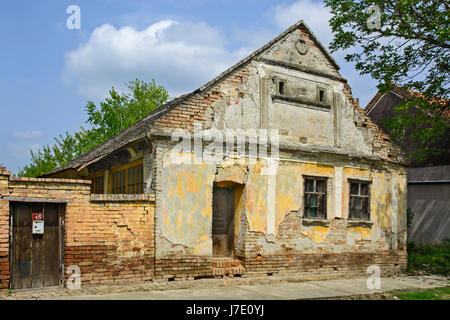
{"x":36,"y":254}
{"x":223,"y":222}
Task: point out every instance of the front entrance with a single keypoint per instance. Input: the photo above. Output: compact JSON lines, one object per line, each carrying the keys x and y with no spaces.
{"x":36,"y":248}
{"x":223,"y":222}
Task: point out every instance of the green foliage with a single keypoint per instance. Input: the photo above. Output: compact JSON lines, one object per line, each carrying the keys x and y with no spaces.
{"x":430,"y":258}
{"x":119,"y":111}
{"x":409,"y":217}
{"x":410,"y":49}
{"x":115,"y":114}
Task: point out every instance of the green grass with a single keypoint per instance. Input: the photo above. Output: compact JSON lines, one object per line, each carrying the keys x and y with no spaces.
{"x":434,"y":259}
{"x":432,"y":294}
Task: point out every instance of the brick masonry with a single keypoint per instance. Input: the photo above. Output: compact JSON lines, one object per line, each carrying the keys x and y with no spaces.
{"x":4,"y":230}
{"x":110,"y":237}
{"x":330,"y":258}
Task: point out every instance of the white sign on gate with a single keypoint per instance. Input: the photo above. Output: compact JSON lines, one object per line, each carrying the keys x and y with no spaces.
{"x":38,"y":223}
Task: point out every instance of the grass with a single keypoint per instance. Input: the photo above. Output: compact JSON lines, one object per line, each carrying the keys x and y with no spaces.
{"x":432,"y":294}
{"x":425,"y":294}
{"x":433,"y":259}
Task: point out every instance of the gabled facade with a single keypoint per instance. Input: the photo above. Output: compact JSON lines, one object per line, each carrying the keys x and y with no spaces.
{"x":303,"y":182}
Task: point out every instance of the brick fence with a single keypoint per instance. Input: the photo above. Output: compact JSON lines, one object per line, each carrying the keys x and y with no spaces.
{"x":109,"y":237}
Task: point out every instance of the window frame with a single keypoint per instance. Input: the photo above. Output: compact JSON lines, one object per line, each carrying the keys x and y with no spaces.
{"x":307,"y":198}
{"x":126,"y":184}
{"x":362,"y":216}
{"x":94,"y":183}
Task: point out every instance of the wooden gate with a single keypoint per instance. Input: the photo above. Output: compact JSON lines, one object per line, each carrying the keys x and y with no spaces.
{"x":36,"y":259}
{"x":223,"y":222}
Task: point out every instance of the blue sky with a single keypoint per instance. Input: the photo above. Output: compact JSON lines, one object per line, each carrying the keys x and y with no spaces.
{"x":49,"y":72}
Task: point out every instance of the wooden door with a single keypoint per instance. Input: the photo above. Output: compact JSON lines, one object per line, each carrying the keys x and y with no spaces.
{"x":223,"y":222}
{"x":35,"y":258}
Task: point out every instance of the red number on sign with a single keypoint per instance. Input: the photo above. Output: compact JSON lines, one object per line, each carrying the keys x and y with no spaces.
{"x":38,"y":216}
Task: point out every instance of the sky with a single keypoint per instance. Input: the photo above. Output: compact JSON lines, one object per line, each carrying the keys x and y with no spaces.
{"x":48,"y":72}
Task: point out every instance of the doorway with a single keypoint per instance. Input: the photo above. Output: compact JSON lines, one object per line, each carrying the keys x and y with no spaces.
{"x":223,"y":222}
{"x":36,"y":244}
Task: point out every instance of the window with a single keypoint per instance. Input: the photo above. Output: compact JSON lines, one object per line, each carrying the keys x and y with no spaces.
{"x":321,"y":96}
{"x":359,"y":200}
{"x":127,"y":179}
{"x":315,"y":197}
{"x":281,"y":87}
{"x":97,"y":185}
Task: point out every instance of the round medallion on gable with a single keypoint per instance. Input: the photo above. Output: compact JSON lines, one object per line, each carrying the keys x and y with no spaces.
{"x":302,"y":46}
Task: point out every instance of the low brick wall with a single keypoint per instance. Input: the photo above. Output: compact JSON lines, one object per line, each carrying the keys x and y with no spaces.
{"x":325,"y":264}
{"x":109,"y":237}
{"x":4,"y":230}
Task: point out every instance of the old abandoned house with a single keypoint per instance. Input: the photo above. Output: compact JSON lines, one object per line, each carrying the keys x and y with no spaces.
{"x":125,"y":211}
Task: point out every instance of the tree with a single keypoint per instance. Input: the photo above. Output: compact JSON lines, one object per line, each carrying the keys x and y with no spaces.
{"x":115,"y":114}
{"x":404,"y":43}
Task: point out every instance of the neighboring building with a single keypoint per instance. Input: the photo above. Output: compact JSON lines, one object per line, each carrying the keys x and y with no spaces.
{"x":429,"y":198}
{"x":331,"y":203}
{"x":428,"y":180}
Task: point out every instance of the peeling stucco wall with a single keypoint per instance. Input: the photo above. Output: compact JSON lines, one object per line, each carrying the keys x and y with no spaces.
{"x":186,"y":211}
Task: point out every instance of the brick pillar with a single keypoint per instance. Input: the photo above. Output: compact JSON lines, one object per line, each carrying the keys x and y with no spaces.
{"x":4,"y":229}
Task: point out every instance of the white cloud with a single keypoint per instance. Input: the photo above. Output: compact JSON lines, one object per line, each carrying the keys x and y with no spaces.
{"x":183,"y":56}
{"x":180,"y":56}
{"x":315,"y":14}
{"x":33,"y":134}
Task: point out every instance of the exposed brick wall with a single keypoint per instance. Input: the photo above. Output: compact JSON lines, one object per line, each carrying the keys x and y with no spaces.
{"x":194,"y":109}
{"x":382,"y":142}
{"x":180,"y":267}
{"x":345,"y":264}
{"x":110,"y":237}
{"x":332,"y":257}
{"x":111,"y":242}
{"x":4,"y":230}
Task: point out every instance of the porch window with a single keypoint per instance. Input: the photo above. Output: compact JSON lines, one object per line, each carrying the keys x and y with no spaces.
{"x":97,"y":185}
{"x":315,"y":197}
{"x":127,"y":179}
{"x":359,"y":206}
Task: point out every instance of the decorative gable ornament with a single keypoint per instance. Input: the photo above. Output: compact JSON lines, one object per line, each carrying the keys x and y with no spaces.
{"x":302,"y":46}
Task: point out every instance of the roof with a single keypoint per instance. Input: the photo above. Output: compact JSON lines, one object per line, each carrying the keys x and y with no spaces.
{"x":382,"y":106}
{"x":397,"y":90}
{"x":401,"y":93}
{"x":140,"y":128}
